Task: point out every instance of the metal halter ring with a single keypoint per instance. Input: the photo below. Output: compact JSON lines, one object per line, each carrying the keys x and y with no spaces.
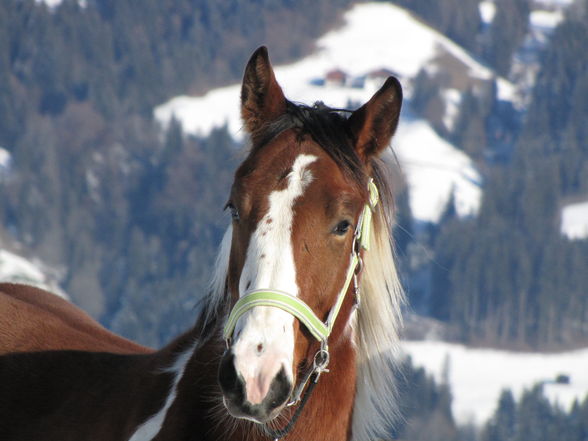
{"x":321,"y":360}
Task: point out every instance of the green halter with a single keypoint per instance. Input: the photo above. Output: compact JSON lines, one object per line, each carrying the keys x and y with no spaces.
{"x":292,"y":304}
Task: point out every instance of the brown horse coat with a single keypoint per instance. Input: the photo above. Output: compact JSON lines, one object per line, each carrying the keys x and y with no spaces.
{"x":29,"y":315}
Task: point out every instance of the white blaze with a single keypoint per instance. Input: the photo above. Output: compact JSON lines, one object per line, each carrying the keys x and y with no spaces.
{"x":264,"y":336}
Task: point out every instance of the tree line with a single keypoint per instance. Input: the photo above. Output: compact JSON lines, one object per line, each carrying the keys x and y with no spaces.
{"x":508,"y":276}
{"x":131,"y":216}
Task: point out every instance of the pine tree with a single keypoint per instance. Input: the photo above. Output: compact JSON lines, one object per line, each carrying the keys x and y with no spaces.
{"x":508,"y":29}
{"x":502,"y":425}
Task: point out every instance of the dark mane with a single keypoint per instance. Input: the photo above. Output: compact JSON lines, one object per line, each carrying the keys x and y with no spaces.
{"x":327,"y":127}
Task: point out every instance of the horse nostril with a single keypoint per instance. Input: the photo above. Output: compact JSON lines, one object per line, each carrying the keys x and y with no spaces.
{"x":279,"y":391}
{"x":260,"y":349}
{"x":231,"y":383}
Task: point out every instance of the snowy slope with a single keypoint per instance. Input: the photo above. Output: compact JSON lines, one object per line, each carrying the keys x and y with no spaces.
{"x":574,"y":221}
{"x":14,"y":268}
{"x":375,"y":36}
{"x":477,"y":376}
{"x":434,"y":169}
{"x":17,"y":269}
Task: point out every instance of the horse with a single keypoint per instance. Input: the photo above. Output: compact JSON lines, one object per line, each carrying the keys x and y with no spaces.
{"x":296,"y":335}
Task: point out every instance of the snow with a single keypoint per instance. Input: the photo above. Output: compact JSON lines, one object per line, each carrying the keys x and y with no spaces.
{"x":478,"y":376}
{"x":5,"y":161}
{"x":546,"y":20}
{"x":574,"y":221}
{"x":52,"y":4}
{"x":4,"y":157}
{"x":375,"y":36}
{"x":506,"y":91}
{"x":553,"y":4}
{"x":200,"y":115}
{"x":434,"y":170}
{"x":17,"y":269}
{"x":5,"y":165}
{"x":487,"y":11}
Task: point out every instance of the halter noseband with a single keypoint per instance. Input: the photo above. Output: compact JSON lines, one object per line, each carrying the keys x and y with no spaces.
{"x":293,"y":305}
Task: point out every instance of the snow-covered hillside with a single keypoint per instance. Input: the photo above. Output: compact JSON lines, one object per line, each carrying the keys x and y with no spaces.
{"x":477,"y":376}
{"x":347,"y":67}
{"x":17,"y":269}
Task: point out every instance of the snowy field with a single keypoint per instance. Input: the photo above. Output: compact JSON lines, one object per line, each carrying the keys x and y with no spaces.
{"x":373,"y":38}
{"x":478,"y":376}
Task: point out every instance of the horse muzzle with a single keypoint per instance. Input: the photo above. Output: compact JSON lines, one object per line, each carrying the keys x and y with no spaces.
{"x":258,"y":395}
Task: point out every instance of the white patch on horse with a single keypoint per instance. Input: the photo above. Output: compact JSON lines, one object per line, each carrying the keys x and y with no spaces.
{"x":264,"y":341}
{"x":273,"y":237}
{"x":151,"y":427}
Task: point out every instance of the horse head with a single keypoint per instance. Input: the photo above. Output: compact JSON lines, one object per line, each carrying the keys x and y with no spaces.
{"x":300,"y":203}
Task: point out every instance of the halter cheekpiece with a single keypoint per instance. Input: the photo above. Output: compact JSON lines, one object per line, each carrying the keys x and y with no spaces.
{"x":299,"y":309}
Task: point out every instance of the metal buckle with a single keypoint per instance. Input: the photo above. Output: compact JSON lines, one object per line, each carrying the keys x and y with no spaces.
{"x":321,"y":361}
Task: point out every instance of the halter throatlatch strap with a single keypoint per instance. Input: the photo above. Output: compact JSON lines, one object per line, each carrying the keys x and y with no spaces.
{"x":292,"y":304}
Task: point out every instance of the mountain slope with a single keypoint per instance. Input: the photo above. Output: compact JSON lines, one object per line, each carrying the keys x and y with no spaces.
{"x":347,"y":67}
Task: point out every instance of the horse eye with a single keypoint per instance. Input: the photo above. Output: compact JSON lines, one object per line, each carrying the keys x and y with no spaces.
{"x":342,"y":228}
{"x":234,"y":211}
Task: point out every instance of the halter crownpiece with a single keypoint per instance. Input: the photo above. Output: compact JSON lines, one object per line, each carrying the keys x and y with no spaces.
{"x":292,"y":304}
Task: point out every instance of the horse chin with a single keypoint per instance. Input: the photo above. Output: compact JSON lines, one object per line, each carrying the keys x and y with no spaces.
{"x":252,"y":413}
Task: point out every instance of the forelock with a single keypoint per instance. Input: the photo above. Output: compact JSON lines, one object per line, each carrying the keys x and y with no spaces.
{"x":327,"y":127}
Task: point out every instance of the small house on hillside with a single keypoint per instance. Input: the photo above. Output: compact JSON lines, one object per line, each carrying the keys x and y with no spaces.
{"x":336,"y":77}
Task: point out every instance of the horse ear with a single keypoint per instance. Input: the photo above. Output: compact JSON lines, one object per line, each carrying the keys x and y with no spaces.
{"x":374,"y":123}
{"x":262,"y":99}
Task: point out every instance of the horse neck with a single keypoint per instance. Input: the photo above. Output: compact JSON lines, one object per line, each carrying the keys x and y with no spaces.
{"x":157,"y":377}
